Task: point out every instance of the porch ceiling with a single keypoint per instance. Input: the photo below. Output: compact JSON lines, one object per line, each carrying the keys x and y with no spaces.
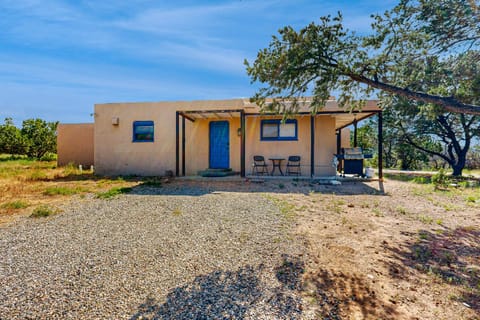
{"x":345,"y":119}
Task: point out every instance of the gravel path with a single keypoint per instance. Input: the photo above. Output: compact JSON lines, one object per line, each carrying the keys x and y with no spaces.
{"x":165,"y":253}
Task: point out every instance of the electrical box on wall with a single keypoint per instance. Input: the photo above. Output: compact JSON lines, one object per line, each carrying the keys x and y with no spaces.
{"x":115,"y":121}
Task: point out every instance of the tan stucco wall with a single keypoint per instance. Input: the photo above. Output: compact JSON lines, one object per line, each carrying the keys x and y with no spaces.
{"x":115,"y":153}
{"x":197,"y":144}
{"x":75,"y":144}
{"x":282,"y":149}
{"x":325,"y":145}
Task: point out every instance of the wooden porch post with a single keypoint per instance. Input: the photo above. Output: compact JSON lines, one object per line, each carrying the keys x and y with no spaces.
{"x":177,"y":144}
{"x":355,"y":133}
{"x":380,"y":146}
{"x":339,"y":140}
{"x":339,"y":147}
{"x":312,"y":145}
{"x":242,"y":144}
{"x":183,"y":145}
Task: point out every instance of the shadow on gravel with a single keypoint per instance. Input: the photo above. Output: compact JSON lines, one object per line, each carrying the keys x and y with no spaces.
{"x":226,"y":295}
{"x":199,"y":188}
{"x":336,"y":295}
{"x":450,"y":255}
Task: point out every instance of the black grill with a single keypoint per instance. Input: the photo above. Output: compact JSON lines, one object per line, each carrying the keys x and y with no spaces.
{"x":353,"y":160}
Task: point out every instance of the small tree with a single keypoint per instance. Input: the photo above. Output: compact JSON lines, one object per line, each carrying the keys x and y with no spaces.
{"x":11,"y":139}
{"x":397,"y":152}
{"x":41,"y":137}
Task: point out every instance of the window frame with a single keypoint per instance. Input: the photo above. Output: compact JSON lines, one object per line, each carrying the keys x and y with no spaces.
{"x":143,"y":123}
{"x":279,"y":122}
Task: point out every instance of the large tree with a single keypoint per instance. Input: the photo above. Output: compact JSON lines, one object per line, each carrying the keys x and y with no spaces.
{"x":452,"y":133}
{"x":394,"y":58}
{"x":41,"y":137}
{"x":11,"y":139}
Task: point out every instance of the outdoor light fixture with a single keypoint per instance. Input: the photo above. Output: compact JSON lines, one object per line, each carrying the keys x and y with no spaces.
{"x":239,"y":132}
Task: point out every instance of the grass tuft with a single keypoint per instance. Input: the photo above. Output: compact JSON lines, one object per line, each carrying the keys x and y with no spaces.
{"x":17,"y":204}
{"x":43,"y":211}
{"x":177,"y":212}
{"x":287,"y":210}
{"x":152,"y":183}
{"x":401,"y":210}
{"x":113,"y":192}
{"x":63,"y":191}
{"x":425,"y":219}
{"x":37,"y":175}
{"x":472,"y":199}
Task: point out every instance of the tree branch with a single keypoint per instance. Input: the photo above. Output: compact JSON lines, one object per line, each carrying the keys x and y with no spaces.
{"x":450,"y":104}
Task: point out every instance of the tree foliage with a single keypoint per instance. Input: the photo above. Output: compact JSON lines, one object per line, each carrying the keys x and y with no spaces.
{"x":41,"y":137}
{"x":11,"y":139}
{"x":397,"y":152}
{"x":36,"y":138}
{"x":409,"y":43}
{"x":452,"y":133}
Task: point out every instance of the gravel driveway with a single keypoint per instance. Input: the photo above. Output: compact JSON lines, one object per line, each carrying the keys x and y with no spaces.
{"x":176,"y":252}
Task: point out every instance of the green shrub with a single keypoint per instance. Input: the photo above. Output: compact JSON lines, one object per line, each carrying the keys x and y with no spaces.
{"x":43,"y":211}
{"x":49,"y":156}
{"x":422,"y":180}
{"x":440,"y":179}
{"x":471,"y":199}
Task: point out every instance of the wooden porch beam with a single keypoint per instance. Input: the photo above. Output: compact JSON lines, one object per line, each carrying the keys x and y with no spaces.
{"x":187,"y":116}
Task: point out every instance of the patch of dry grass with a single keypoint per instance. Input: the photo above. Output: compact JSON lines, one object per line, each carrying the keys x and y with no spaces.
{"x":27,"y":184}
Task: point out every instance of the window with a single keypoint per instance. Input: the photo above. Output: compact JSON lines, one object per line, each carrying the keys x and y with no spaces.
{"x":143,"y":131}
{"x":277,"y":130}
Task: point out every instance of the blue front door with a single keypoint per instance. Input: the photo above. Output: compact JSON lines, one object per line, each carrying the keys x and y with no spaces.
{"x":219,"y":145}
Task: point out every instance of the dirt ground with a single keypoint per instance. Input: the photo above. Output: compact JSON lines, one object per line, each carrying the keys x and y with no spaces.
{"x":411,"y":252}
{"x":391,"y":250}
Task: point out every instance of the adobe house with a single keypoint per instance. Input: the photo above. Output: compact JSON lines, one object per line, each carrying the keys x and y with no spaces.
{"x":185,"y":137}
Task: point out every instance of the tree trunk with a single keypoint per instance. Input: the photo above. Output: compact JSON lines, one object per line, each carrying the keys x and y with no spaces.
{"x":457,"y":170}
{"x":459,"y":165}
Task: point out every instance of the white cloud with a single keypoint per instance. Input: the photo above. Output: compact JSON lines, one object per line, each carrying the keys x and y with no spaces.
{"x":64,"y":56}
{"x":62,"y":90}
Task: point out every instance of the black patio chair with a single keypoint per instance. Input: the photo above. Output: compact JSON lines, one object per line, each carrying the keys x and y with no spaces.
{"x":293,"y":166}
{"x":259,"y":166}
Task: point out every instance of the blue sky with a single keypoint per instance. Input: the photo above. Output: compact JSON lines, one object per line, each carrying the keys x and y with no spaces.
{"x":60,"y":57}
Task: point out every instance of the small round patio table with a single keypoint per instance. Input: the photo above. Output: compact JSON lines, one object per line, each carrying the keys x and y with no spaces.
{"x":276,"y":163}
